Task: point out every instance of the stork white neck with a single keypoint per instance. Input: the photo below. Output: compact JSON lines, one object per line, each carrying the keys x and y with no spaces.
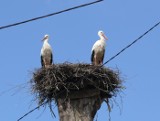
{"x":46,"y":40}
{"x":102,"y":38}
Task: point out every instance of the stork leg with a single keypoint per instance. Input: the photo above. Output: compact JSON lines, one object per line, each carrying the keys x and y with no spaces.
{"x":44,"y":63}
{"x":101,"y":62}
{"x":48,"y":63}
{"x":93,"y":62}
{"x":96,"y":60}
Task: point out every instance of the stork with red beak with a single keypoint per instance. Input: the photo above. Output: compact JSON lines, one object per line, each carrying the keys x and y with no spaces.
{"x":46,"y":53}
{"x":98,"y":49}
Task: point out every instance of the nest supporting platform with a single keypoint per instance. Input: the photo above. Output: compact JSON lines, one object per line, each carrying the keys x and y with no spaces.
{"x":78,"y":89}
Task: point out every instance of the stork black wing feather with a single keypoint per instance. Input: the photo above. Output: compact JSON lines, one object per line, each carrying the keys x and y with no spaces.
{"x":103,"y":55}
{"x":51,"y":58}
{"x":92,"y":56}
{"x":42,"y":62}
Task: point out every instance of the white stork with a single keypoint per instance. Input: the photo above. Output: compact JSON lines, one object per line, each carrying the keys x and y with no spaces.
{"x":46,"y":53}
{"x":98,"y":49}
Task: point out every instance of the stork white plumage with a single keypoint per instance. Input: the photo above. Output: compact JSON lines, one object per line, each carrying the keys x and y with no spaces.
{"x":46,"y":53}
{"x":98,"y":49}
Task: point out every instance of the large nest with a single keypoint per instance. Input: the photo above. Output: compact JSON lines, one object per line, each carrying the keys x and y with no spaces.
{"x":63,"y":79}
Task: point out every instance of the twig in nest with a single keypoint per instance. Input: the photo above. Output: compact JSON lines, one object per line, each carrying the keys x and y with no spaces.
{"x":109,"y":107}
{"x":50,"y":107}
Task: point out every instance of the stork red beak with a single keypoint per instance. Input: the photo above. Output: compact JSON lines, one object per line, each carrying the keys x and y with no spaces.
{"x":43,"y":39}
{"x":105,"y":37}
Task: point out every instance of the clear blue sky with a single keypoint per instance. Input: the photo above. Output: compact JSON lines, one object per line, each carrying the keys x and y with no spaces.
{"x":72,"y":35}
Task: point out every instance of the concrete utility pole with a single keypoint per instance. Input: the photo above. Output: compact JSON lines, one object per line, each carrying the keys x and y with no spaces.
{"x":79,"y":106}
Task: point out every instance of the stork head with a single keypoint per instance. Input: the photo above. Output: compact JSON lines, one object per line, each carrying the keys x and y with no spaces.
{"x":102,"y":35}
{"x":46,"y":37}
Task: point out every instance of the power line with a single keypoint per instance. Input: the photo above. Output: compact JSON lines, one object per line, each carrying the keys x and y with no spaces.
{"x":26,"y":114}
{"x":113,"y":57}
{"x":20,"y":86}
{"x":48,"y":15}
{"x":31,"y":111}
